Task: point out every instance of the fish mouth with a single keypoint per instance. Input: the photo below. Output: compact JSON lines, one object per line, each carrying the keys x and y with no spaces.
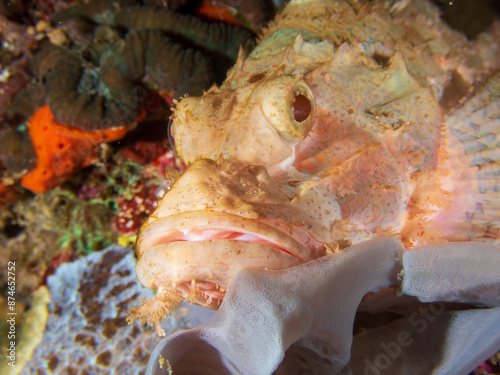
{"x":194,"y":254}
{"x":213,"y":225}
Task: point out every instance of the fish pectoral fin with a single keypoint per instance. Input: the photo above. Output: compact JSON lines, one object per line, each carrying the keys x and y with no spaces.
{"x":469,"y":164}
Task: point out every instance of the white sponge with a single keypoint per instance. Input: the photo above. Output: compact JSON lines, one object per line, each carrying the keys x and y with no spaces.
{"x":306,"y":320}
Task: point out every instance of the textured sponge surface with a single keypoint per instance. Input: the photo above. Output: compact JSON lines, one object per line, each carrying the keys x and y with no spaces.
{"x":86,"y":331}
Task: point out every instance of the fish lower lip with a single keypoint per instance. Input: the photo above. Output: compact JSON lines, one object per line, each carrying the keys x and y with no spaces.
{"x":205,"y":225}
{"x":210,"y":263}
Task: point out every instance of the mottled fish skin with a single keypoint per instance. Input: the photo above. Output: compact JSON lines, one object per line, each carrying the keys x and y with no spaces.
{"x":332,"y":131}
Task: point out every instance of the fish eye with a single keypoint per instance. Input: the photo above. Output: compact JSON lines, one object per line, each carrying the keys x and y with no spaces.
{"x":301,"y":108}
{"x":288,"y":105}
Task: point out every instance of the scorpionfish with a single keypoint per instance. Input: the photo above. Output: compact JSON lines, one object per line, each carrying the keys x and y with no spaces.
{"x":350,"y":120}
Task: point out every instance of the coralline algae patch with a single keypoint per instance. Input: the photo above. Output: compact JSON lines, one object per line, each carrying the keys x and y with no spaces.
{"x":86,"y":331}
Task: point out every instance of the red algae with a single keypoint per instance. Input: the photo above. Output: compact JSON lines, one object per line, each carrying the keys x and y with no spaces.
{"x":132,"y":212}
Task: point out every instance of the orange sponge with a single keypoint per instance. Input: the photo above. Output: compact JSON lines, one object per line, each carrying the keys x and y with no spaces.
{"x":62,"y":150}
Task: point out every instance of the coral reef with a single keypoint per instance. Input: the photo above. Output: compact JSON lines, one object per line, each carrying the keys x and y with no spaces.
{"x":74,"y":64}
{"x":257,"y":12}
{"x":42,"y":231}
{"x":95,"y":65}
{"x":31,"y":326}
{"x":86,"y":330}
{"x":132,"y":212}
{"x":98,"y":66}
{"x":18,"y":154}
{"x":47,"y":229}
{"x":81,"y":224}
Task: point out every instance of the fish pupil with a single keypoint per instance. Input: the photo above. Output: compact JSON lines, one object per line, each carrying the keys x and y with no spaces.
{"x":301,"y":108}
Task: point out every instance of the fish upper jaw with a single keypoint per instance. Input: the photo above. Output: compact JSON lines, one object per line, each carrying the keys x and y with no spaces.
{"x":194,"y":254}
{"x":196,"y":226}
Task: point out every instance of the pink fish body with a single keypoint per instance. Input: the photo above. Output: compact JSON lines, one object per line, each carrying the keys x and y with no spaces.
{"x":347,"y":122}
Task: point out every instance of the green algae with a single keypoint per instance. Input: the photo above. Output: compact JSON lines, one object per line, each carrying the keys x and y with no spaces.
{"x":77,"y":223}
{"x":81,"y":219}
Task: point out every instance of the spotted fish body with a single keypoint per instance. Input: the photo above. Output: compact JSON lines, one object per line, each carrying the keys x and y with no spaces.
{"x":350,"y":120}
